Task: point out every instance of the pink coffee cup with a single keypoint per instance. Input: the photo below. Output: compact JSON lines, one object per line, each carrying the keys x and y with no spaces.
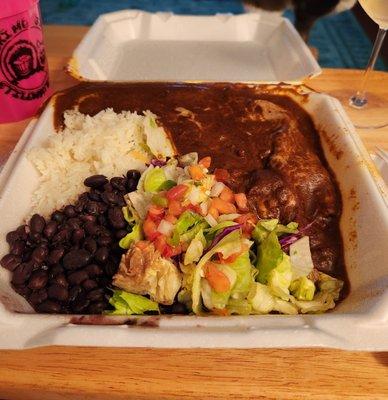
{"x":24,"y":83}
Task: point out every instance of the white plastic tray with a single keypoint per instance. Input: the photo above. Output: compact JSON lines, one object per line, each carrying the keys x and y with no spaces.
{"x":139,"y":46}
{"x":359,"y":322}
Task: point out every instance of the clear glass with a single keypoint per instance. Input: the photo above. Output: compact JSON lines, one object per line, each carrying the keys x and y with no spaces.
{"x":378,"y":11}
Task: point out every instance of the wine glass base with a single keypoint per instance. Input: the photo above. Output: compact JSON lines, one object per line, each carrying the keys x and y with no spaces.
{"x":358,"y":102}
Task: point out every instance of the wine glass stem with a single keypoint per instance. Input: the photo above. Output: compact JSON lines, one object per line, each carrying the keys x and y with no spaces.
{"x":360,"y":97}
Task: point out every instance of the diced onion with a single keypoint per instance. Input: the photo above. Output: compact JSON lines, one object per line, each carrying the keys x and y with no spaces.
{"x":165,"y":227}
{"x":228,"y":217}
{"x":204,"y":207}
{"x":217,"y":188}
{"x":210,"y":220}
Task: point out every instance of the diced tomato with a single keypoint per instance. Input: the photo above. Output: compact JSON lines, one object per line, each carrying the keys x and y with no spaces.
{"x":149,"y":229}
{"x":223,"y":207}
{"x":222,"y":175}
{"x":184,"y":246}
{"x":196,"y":172}
{"x":228,"y":260}
{"x":170,"y":218}
{"x":217,"y":279}
{"x":214,"y":213}
{"x":248,"y":222}
{"x":177,"y":192}
{"x":227,"y":195}
{"x":176,"y":250}
{"x":205,"y":162}
{"x":241,"y":201}
{"x":175,"y":208}
{"x":155,"y":212}
{"x":160,"y":243}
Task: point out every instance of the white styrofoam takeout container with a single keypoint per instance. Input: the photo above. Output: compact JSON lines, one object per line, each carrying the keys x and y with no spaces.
{"x":360,"y":322}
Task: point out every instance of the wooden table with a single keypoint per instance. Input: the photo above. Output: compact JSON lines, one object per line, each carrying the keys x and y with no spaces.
{"x":99,"y":373}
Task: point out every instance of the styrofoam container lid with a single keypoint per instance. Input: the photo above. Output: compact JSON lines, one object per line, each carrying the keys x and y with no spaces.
{"x":133,"y":45}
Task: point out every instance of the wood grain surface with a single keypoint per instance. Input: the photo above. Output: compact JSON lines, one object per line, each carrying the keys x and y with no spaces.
{"x":57,"y":373}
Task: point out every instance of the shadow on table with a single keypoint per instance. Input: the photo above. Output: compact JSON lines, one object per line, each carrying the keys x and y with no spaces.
{"x":382,"y":357}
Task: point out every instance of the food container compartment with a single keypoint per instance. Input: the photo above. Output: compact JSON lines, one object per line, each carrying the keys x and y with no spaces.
{"x":271,"y":50}
{"x":137,"y":46}
{"x":359,"y":322}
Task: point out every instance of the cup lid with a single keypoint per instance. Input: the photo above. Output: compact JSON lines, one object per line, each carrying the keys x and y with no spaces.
{"x":13,"y":7}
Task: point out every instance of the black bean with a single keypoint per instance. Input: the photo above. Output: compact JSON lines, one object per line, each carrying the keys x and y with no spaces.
{"x":38,"y":297}
{"x":133,"y":174}
{"x":62,"y":236}
{"x":95,"y":181}
{"x":131,"y":185}
{"x":38,"y":280}
{"x":97,"y":308}
{"x":89,"y":284}
{"x":55,"y":255}
{"x":88,"y":218}
{"x":35,"y":237}
{"x":118,"y":183}
{"x":120,"y":201}
{"x":75,"y":259}
{"x":93,"y":270}
{"x":116,"y":218}
{"x":90,"y":245}
{"x":23,"y":231}
{"x":69,"y":211}
{"x":22,"y":273}
{"x":17,"y":247}
{"x":26,"y":255}
{"x":104,"y":240}
{"x":92,"y":207}
{"x":56,"y":270}
{"x":96,"y":294}
{"x":49,"y":306}
{"x":61,"y":280}
{"x":91,"y":228}
{"x":50,"y":229}
{"x":120,"y":234}
{"x":110,"y":268}
{"x":73,"y":223}
{"x":39,"y":254}
{"x":79,"y":207}
{"x":12,"y":237}
{"x":109,"y":197}
{"x":57,"y":216}
{"x":78,"y":235}
{"x":108,"y":187}
{"x":37,"y":223}
{"x":102,"y":220}
{"x":74,"y":292}
{"x":94,"y":196}
{"x":58,"y":292}
{"x":23,"y":290}
{"x":76,"y":278}
{"x":80,"y":303}
{"x":10,"y":261}
{"x":101,"y":255}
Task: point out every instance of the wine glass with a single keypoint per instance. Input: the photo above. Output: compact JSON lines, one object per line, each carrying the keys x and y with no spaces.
{"x":378,"y":11}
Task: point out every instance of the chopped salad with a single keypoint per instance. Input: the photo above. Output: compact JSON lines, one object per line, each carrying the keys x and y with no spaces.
{"x":194,"y":241}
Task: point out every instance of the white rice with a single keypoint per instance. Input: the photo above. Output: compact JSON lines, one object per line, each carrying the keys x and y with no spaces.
{"x":108,"y":143}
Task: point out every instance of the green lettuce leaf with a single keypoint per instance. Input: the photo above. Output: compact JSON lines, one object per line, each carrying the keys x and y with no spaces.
{"x":154,"y":179}
{"x":244,"y":276}
{"x":303,"y":288}
{"x":269,"y":255}
{"x":195,"y":250}
{"x":265,"y":226}
{"x":128,"y":304}
{"x":280,"y":277}
{"x":134,"y":236}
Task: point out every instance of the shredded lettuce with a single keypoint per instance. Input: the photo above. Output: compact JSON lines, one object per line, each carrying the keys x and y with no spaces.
{"x":186,"y":220}
{"x":303,"y":288}
{"x":128,"y":304}
{"x":189,"y":235}
{"x":195,"y":249}
{"x":269,"y":255}
{"x":210,"y":233}
{"x":159,"y":200}
{"x":265,"y":226}
{"x":279,"y":278}
{"x":134,"y":236}
{"x":244,"y":276}
{"x":128,"y":215}
{"x":240,"y":307}
{"x":166,"y":185}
